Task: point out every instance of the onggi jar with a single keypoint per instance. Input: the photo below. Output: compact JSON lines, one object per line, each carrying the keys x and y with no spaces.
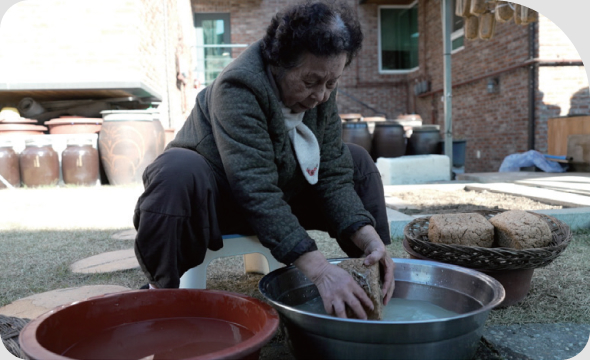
{"x":39,"y":163}
{"x":9,"y":168}
{"x":79,"y":163}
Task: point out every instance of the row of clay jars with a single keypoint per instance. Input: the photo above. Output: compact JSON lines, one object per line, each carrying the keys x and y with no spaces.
{"x":38,"y":164}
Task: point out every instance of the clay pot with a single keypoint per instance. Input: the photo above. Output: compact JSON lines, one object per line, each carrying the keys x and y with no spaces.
{"x":79,"y":163}
{"x":388,"y":140}
{"x":160,"y":324}
{"x":357,"y":133}
{"x":350,"y":117}
{"x":9,"y":167}
{"x":425,"y":140}
{"x":128,"y":142}
{"x":39,"y":163}
{"x":169,"y":136}
{"x":19,"y":120}
{"x":21,"y":129}
{"x":516,"y":282}
{"x":74,"y":125}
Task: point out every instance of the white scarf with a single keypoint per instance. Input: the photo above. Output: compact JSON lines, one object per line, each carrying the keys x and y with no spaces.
{"x":305,"y":144}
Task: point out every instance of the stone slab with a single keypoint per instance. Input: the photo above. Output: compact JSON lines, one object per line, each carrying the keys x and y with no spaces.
{"x":414,"y":169}
{"x":32,"y":306}
{"x":397,"y":222}
{"x":539,"y":194}
{"x":125,"y":235}
{"x":575,"y":218}
{"x":571,"y":184}
{"x":498,"y":177}
{"x":390,"y":190}
{"x":396,"y":203}
{"x":106,"y":262}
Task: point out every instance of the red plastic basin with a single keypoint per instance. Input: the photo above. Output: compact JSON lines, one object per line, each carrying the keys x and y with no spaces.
{"x":153,"y":324}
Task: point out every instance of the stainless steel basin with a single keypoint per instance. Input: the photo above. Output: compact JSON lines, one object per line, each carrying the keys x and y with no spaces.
{"x":469,"y":293}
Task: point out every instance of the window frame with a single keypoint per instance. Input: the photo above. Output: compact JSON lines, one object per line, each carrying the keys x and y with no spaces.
{"x":457,"y":33}
{"x":379,"y":52}
{"x":200,"y":61}
{"x":198,"y":18}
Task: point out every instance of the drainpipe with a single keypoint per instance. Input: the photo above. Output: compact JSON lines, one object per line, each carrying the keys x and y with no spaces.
{"x":447,"y":21}
{"x":166,"y":59}
{"x":532,"y":87}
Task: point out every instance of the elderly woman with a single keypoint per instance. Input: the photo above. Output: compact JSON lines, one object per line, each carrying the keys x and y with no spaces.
{"x":261,"y":153}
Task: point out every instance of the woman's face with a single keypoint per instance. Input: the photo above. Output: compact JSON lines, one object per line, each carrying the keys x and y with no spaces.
{"x":311,"y":83}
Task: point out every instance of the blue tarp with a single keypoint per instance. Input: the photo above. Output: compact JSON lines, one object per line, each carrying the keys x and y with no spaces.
{"x":532,"y":157}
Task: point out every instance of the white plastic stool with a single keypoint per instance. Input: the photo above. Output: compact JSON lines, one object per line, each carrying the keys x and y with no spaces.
{"x":249,"y":246}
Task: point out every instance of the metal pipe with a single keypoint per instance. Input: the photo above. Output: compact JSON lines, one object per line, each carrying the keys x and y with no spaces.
{"x":560,"y":62}
{"x":166,"y":60}
{"x":447,"y":22}
{"x":539,"y":62}
{"x":532,"y":88}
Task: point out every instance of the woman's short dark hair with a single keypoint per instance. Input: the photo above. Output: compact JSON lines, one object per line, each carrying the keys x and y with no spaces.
{"x":321,"y":28}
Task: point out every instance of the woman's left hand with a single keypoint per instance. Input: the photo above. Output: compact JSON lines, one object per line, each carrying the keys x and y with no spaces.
{"x":367,"y":239}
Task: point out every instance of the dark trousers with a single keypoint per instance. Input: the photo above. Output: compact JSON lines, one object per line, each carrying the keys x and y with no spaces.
{"x":184,"y":211}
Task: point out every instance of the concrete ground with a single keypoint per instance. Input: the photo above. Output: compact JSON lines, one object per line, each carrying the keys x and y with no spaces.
{"x":532,"y":341}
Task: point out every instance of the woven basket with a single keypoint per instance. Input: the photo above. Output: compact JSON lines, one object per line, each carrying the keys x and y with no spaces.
{"x":10,"y":328}
{"x":480,"y":258}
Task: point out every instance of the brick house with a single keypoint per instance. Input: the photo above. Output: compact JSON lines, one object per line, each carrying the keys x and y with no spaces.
{"x":140,"y":46}
{"x":494,"y":124}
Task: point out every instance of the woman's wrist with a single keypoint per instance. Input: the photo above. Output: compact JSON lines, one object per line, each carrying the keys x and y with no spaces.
{"x":362,"y":236}
{"x":312,"y":264}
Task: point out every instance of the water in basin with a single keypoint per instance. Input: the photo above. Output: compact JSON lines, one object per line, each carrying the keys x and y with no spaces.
{"x":168,"y":338}
{"x":397,"y":309}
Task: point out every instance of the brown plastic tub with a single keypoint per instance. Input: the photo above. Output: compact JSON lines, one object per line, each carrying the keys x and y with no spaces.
{"x":153,"y":324}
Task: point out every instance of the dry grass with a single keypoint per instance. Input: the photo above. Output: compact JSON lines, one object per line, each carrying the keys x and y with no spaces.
{"x":43,"y":231}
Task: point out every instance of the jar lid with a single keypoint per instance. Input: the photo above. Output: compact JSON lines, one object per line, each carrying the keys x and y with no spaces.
{"x":38,"y":140}
{"x":375,"y":119}
{"x":389,"y":123}
{"x":5,"y":142}
{"x":127,"y":115}
{"x":426,"y":128}
{"x":73,"y":120}
{"x":350,"y":116}
{"x":353,"y":125}
{"x":79,"y":141}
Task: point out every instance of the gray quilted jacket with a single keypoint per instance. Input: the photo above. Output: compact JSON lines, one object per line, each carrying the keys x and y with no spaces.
{"x":238,"y":126}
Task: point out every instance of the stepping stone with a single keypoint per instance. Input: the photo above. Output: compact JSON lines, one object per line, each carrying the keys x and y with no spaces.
{"x":124,"y":235}
{"x":33,"y":306}
{"x":106,"y":262}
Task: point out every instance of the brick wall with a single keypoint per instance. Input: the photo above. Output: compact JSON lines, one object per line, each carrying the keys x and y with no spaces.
{"x":386,"y":93}
{"x":361,"y":80}
{"x":494,"y":125}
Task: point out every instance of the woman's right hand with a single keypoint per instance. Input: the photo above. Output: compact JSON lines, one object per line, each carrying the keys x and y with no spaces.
{"x":337,"y":288}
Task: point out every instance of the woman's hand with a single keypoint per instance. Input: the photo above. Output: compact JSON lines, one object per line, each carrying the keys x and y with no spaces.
{"x":337,"y":288}
{"x":367,"y":239}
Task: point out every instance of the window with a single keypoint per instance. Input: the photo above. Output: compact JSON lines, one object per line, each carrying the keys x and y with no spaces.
{"x":458,"y":34}
{"x":398,"y":38}
{"x":213,"y":49}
